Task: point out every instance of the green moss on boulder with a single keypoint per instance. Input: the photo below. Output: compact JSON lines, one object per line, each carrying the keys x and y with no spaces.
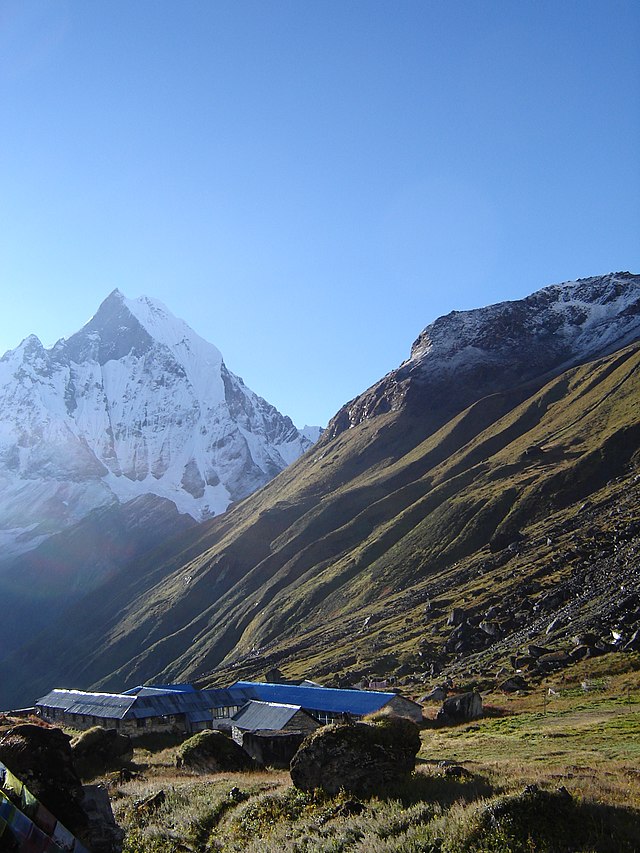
{"x":98,"y":749}
{"x":212,"y":752}
{"x":363,"y":758}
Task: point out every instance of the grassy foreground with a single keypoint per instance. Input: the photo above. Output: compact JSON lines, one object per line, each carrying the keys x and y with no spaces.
{"x":541,"y":772}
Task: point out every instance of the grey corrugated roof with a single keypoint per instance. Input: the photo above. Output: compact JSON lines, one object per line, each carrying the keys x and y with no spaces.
{"x":266,"y":716}
{"x":111,"y":705}
{"x":147,"y":702}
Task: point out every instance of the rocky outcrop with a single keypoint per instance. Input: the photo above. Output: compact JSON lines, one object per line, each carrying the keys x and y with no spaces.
{"x":105,"y":834}
{"x":466,"y":355}
{"x":364,"y":758}
{"x":212,"y":752}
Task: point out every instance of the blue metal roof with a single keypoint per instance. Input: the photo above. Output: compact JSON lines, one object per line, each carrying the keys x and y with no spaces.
{"x":113,"y":706}
{"x":227,"y":697}
{"x":198,"y":704}
{"x":329,"y":699}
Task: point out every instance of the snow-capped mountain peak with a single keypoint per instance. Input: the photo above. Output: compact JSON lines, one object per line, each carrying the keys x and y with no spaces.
{"x":134,"y":403}
{"x":575,"y":317}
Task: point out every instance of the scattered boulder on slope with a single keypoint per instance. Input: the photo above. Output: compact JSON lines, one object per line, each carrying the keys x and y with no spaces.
{"x":460,"y":709}
{"x":513,"y":684}
{"x":212,"y":752}
{"x":438,"y":694}
{"x":98,"y":749}
{"x":363,"y":758}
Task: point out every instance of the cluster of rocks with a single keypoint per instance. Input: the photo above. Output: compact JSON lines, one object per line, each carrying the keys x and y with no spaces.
{"x":473,"y":632}
{"x":568,"y":595}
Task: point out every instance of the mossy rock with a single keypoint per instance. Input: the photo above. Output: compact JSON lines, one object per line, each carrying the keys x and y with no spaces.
{"x":552,"y":822}
{"x":364,"y":758}
{"x":212,"y":752}
{"x":98,"y":750}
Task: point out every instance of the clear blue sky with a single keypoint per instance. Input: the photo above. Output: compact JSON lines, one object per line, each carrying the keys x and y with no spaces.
{"x":308,"y":183}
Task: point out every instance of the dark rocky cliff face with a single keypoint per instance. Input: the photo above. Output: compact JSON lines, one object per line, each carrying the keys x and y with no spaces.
{"x":111,"y":334}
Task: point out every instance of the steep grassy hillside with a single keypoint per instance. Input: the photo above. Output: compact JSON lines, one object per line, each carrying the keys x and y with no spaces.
{"x":351,"y":560}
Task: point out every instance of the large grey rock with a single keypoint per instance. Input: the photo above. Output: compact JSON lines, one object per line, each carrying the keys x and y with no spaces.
{"x":106,"y":835}
{"x":460,"y":709}
{"x":513,"y":684}
{"x":41,"y":758}
{"x":364,"y":758}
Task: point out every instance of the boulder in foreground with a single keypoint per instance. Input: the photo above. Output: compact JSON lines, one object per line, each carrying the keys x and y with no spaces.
{"x":98,"y":750}
{"x":362,"y":758}
{"x":41,"y":758}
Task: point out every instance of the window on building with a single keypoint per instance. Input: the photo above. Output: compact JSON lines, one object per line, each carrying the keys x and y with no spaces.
{"x":141,"y":722}
{"x":218,"y":713}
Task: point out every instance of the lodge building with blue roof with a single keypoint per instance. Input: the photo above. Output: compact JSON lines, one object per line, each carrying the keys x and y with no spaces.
{"x":183,"y":708}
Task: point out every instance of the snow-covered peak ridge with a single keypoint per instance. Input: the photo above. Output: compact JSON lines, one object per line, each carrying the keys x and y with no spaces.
{"x":579,"y":315}
{"x":167,"y":329}
{"x":312,"y":433}
{"x":134,"y":403}
{"x":467,"y":355}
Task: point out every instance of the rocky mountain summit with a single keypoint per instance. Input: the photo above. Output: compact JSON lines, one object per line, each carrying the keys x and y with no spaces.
{"x":468,"y":354}
{"x":135,"y":403}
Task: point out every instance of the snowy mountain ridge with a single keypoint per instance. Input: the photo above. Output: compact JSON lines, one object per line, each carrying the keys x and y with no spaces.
{"x":467,"y":354}
{"x":134,"y":403}
{"x":578,"y":317}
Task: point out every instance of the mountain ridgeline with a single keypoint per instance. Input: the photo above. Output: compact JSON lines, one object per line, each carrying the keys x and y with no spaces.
{"x":493,"y":470}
